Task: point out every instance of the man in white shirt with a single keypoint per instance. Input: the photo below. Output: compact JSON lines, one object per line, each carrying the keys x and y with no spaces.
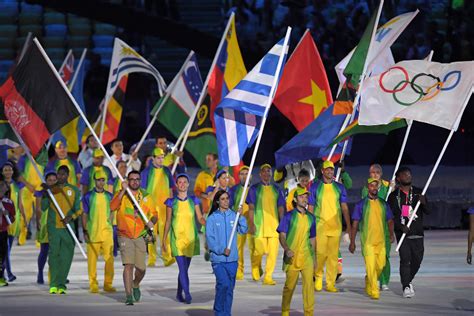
{"x":119,"y":155}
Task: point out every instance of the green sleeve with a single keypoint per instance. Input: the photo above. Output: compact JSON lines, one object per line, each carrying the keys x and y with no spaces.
{"x":76,"y":209}
{"x":346,"y":180}
{"x":44,"y":203}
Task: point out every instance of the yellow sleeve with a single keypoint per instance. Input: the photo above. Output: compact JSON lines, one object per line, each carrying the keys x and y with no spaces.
{"x":199,"y":186}
{"x":289,"y":200}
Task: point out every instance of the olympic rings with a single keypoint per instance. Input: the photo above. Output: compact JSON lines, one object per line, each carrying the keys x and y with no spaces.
{"x":423,"y":90}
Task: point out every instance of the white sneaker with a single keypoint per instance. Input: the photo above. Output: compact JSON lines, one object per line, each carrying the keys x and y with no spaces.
{"x":384,"y":287}
{"x":407,"y":293}
{"x":412,"y":290}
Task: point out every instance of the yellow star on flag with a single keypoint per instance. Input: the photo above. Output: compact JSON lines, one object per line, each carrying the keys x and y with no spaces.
{"x":317,"y":99}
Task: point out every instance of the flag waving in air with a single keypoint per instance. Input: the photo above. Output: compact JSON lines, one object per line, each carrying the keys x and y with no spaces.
{"x":229,"y":68}
{"x":66,"y":71}
{"x":34,"y":114}
{"x":238,"y":117}
{"x":419,"y":90}
{"x":303,"y":92}
{"x":126,"y":60}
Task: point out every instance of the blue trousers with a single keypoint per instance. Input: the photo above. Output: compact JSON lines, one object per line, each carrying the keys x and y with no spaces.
{"x":225,"y":282}
{"x":42,"y":258}
{"x":115,"y":240}
{"x":183,"y":277}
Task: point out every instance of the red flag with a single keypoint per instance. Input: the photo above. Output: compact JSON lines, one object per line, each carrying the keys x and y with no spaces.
{"x":34,"y":101}
{"x":303,"y":92}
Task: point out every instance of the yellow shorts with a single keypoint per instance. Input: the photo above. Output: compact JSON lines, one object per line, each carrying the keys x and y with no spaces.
{"x":133,"y":251}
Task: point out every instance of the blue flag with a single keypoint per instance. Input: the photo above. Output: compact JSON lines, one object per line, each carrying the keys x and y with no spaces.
{"x":313,"y":141}
{"x":239,"y":115}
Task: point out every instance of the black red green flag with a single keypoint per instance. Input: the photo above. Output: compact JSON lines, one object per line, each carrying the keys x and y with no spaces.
{"x":34,"y":101}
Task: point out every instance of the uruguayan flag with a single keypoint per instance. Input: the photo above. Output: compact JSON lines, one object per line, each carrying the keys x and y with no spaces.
{"x":239,"y":115}
{"x":126,"y":60}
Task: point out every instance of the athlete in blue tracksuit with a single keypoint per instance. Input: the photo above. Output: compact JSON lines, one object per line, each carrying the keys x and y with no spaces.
{"x":224,"y":261}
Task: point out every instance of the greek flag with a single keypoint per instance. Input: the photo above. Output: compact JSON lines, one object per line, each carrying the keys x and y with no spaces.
{"x":239,"y":115}
{"x":126,"y":60}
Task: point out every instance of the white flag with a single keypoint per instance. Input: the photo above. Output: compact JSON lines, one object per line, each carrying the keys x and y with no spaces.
{"x":419,"y":90}
{"x":126,"y":60}
{"x":379,"y":52}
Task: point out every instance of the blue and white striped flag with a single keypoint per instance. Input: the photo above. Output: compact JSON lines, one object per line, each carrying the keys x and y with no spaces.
{"x":239,"y":115}
{"x":126,"y":60}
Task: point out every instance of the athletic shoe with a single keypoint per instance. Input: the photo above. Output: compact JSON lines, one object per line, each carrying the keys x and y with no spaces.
{"x":188,"y":299}
{"x":375,"y":295}
{"x":40,"y":279}
{"x":207,"y":256}
{"x":412,"y":289}
{"x":331,"y":289}
{"x":318,"y":284}
{"x":385,"y":287}
{"x":53,"y":290}
{"x":239,"y":276}
{"x":3,"y":282}
{"x":407,"y":293}
{"x":340,"y":279}
{"x":180,"y":298}
{"x":62,"y":291}
{"x":269,"y":282}
{"x":94,"y":289}
{"x":129,"y":300}
{"x":11,"y":278}
{"x":256,"y":274}
{"x":110,"y":289}
{"x":136,"y":294}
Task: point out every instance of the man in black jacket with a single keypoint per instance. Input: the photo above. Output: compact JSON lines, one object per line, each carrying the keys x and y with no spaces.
{"x":402,"y":202}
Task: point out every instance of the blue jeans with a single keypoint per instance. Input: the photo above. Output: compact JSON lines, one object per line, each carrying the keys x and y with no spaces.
{"x":225,"y":282}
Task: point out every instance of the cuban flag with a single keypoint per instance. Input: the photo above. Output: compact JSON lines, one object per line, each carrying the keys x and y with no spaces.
{"x":239,"y":115}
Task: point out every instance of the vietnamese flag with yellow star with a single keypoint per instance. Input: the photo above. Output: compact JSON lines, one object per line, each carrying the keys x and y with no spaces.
{"x":303,"y":92}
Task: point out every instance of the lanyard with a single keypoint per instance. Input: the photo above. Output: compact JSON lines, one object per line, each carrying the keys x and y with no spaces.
{"x":408,"y":201}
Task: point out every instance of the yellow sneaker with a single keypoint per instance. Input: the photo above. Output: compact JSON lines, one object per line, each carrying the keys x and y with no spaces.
{"x":269,"y":282}
{"x":239,"y":276}
{"x":62,"y":291}
{"x":331,"y":289}
{"x":110,"y":289}
{"x":53,"y":290}
{"x":94,"y":289}
{"x":375,"y":295}
{"x":256,"y":274}
{"x":151,"y":264}
{"x":318,"y":284}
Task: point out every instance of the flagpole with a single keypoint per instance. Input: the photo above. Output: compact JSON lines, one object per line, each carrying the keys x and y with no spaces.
{"x":79,"y":110}
{"x":76,"y":72}
{"x":203,"y":91}
{"x":357,"y":98}
{"x":434,"y":169}
{"x":262,"y":126}
{"x":51,"y":195}
{"x":25,"y":46}
{"x":163,"y":101}
{"x":405,"y":139}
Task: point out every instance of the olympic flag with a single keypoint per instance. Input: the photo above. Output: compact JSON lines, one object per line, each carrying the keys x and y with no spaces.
{"x":419,"y":90}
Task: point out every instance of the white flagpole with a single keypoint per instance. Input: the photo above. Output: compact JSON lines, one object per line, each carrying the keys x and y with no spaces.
{"x":163,"y":101}
{"x":357,"y":98}
{"x":79,"y":110}
{"x":446,"y":143}
{"x":203,"y":92}
{"x":262,"y":126}
{"x":405,"y":139}
{"x":51,"y":195}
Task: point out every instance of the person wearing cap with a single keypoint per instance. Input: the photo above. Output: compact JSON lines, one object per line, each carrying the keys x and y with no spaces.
{"x":10,"y":175}
{"x":266,"y":207}
{"x":235,"y":194}
{"x":132,"y":230}
{"x":204,"y":179}
{"x":87,"y":178}
{"x":328,"y":202}
{"x":376,"y":226}
{"x":158,"y":181}
{"x":181,"y":233}
{"x":170,"y":157}
{"x":85,"y":156}
{"x":304,"y":179}
{"x":32,"y":181}
{"x":7,"y":210}
{"x":297,"y":231}
{"x":118,"y":155}
{"x":42,"y":221}
{"x":63,"y":159}
{"x":97,"y":229}
{"x":61,"y":243}
{"x":375,"y":172}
